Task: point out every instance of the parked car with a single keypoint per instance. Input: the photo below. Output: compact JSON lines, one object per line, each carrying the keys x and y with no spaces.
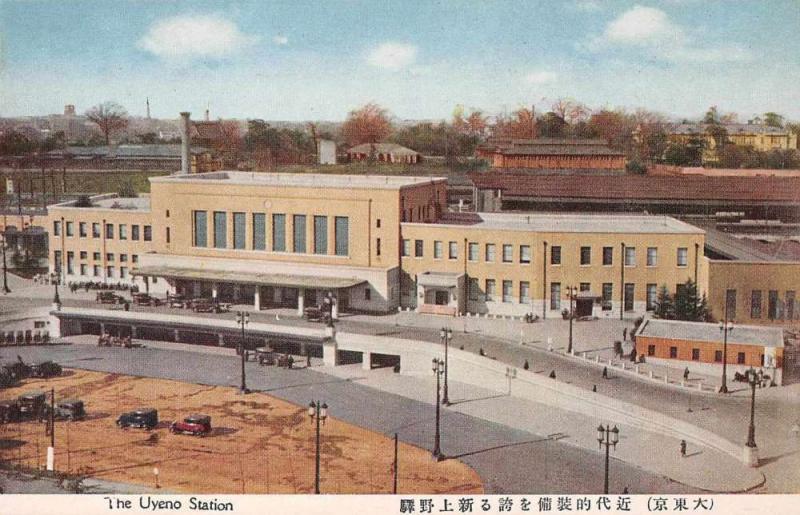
{"x":9,"y":412}
{"x":204,"y":306}
{"x":71,"y":409}
{"x":18,"y":369}
{"x":32,"y":405}
{"x":143,"y":299}
{"x":46,"y":369}
{"x":6,"y":378}
{"x":195,"y":425}
{"x":109,"y":297}
{"x":176,"y":301}
{"x":145,"y":418}
{"x":265,"y":357}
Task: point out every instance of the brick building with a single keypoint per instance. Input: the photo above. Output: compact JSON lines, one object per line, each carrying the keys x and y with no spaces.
{"x":552,"y":154}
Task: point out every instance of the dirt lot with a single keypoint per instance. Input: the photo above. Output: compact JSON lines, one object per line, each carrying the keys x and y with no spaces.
{"x":259,"y":444}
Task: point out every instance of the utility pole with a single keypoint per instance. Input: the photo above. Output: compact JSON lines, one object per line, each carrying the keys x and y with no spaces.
{"x":243,"y":318}
{"x":394,"y":468}
{"x":51,"y":450}
{"x":6,"y":289}
{"x":318,"y":412}
{"x":438,"y":370}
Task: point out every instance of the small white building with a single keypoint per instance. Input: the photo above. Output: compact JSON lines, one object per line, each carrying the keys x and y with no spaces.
{"x":326,"y":152}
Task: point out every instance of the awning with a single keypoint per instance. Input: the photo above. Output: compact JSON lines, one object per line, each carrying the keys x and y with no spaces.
{"x":586,"y":295}
{"x":222,"y":276}
{"x":439,"y":279}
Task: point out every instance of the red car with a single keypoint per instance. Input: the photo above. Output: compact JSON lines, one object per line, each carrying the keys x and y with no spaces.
{"x":195,"y":425}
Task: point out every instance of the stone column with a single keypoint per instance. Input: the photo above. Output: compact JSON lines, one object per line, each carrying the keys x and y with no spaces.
{"x":335,"y":308}
{"x":197,"y":288}
{"x":257,"y":299}
{"x":329,"y":353}
{"x":214,"y":290}
{"x":301,"y":298}
{"x":366,"y":361}
{"x":133,"y":331}
{"x":177,"y":336}
{"x":237,"y":291}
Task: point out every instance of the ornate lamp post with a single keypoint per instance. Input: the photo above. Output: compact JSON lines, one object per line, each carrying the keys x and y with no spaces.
{"x":572,"y":292}
{"x":751,"y":450}
{"x":438,"y":370}
{"x":318,"y":413}
{"x":446,"y":335}
{"x":725,"y":327}
{"x":243,"y":318}
{"x":56,"y":278}
{"x":609,"y":438}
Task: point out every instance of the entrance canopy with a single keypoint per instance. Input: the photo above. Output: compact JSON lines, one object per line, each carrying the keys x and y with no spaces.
{"x":222,"y":276}
{"x":439,"y":279}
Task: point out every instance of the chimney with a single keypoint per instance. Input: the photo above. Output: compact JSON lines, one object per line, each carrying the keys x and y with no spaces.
{"x":148,"y":107}
{"x":186,"y":137}
{"x":208,"y":112}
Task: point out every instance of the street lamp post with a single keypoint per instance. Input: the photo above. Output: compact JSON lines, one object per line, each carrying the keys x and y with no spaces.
{"x":318,"y":413}
{"x":753,"y":378}
{"x":572,"y":292}
{"x":438,"y":370}
{"x":6,"y":289}
{"x":446,"y":335}
{"x":243,"y":318}
{"x":725,"y":326}
{"x":56,"y":280}
{"x":608,"y":437}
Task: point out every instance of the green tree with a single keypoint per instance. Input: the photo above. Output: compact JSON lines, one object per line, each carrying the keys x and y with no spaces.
{"x":665,"y":306}
{"x":126,"y":190}
{"x":684,"y":154}
{"x":690,"y":305}
{"x":773,"y":119}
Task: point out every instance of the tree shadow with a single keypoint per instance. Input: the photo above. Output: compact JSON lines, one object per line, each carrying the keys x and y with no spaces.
{"x":498,"y":447}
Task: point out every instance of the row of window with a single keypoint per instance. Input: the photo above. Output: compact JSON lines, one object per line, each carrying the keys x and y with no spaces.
{"x":96,"y":256}
{"x":673,"y":353}
{"x":524,"y":255}
{"x":276,"y":232}
{"x":122,"y":230}
{"x":776,"y":308}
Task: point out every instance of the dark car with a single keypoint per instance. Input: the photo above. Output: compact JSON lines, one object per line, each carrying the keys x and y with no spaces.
{"x":108,"y":297}
{"x":18,"y":369}
{"x":46,"y":369}
{"x":6,"y":378}
{"x":9,"y":412}
{"x":32,"y":405}
{"x":205,"y":306}
{"x":143,"y":299}
{"x":71,"y":409}
{"x":195,"y":425}
{"x":145,"y":418}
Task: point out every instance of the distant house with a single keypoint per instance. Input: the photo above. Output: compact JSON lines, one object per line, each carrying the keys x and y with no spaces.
{"x":384,"y":152}
{"x":552,"y":154}
{"x":760,"y":137}
{"x":326,"y":152}
{"x":132,"y":157}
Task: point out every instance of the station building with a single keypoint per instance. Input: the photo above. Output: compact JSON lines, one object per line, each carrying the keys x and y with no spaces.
{"x":377,"y":243}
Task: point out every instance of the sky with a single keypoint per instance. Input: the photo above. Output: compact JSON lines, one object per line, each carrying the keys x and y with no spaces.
{"x":305,"y":60}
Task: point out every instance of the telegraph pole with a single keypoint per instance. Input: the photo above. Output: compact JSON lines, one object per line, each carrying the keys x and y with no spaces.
{"x":51,"y":450}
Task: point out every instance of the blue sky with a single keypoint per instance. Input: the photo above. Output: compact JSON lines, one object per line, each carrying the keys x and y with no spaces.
{"x":297,"y":60}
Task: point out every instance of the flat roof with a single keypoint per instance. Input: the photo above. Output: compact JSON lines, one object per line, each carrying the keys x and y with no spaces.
{"x":704,"y":332}
{"x":111,"y":201}
{"x":317,"y":180}
{"x":566,"y":223}
{"x":299,"y":281}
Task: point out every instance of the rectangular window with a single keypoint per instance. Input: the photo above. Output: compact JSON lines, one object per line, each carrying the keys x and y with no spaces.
{"x":772,"y":305}
{"x":683,"y":256}
{"x":508,"y":253}
{"x":220,"y":229}
{"x":473,"y":288}
{"x":586,"y":256}
{"x":630,"y":256}
{"x":453,"y":250}
{"x":123,"y":272}
{"x":608,"y":256}
{"x":342,"y":230}
{"x":651,"y":350}
{"x":378,"y":247}
{"x":84,"y":254}
{"x":96,"y":270}
{"x":109,"y":231}
{"x":57,"y":259}
{"x":259,"y":231}
{"x":148,"y":233}
{"x":367,"y":294}
{"x":673,"y":352}
{"x":438,"y":249}
{"x":525,"y":254}
{"x":652,"y":256}
{"x":123,"y":232}
{"x":70,"y":262}
{"x":109,"y":256}
{"x":419,"y":248}
{"x":490,"y":251}
{"x":755,"y":304}
{"x":651,"y":296}
{"x":555,"y":255}
{"x":740,"y":358}
{"x":239,"y":230}
{"x":200,"y":229}
{"x":473,"y":251}
{"x":278,"y":233}
{"x":82,"y":231}
{"x":320,"y":234}
{"x":695,"y":354}
{"x":110,"y":271}
{"x":790,"y":296}
{"x":299,"y":234}
{"x":629,"y":296}
{"x":123,"y":258}
{"x":70,"y":229}
{"x":378,"y":223}
{"x":508,"y":289}
{"x":524,"y":292}
{"x":585,"y":287}
{"x":405,"y":251}
{"x":96,"y":256}
{"x":135,"y":232}
{"x":167,"y":232}
{"x":490,"y":290}
{"x":718,"y":356}
{"x":555,"y":295}
{"x":608,"y":292}
{"x":95,"y":230}
{"x":134,"y":258}
{"x":730,"y":304}
{"x":56,"y":228}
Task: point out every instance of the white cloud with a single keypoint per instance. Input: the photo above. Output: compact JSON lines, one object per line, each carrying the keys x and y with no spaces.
{"x":392,"y":55}
{"x":541,"y":77}
{"x":642,"y":25}
{"x":195,"y":36}
{"x":280,"y":40}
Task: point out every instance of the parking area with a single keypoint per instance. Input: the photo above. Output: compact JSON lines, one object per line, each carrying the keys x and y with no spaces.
{"x":258,"y":443}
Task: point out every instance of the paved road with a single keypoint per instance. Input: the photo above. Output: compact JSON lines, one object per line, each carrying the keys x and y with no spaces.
{"x":508,"y":460}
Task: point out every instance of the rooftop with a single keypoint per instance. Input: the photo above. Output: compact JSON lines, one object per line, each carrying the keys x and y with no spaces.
{"x":383,"y":148}
{"x":569,"y":223}
{"x":300,"y":180}
{"x":551,"y":146}
{"x":125,"y":151}
{"x":703,"y":332}
{"x":732,"y":128}
{"x":112,"y":201}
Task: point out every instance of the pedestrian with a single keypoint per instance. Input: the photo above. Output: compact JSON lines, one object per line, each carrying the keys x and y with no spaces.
{"x":594,"y":388}
{"x":481,"y":352}
{"x":683,"y":448}
{"x":552,"y":374}
{"x":625,"y":490}
{"x":526,"y":365}
{"x":290,"y":361}
{"x":625,"y":334}
{"x":605,"y":372}
{"x":686,"y":374}
{"x":633,"y":354}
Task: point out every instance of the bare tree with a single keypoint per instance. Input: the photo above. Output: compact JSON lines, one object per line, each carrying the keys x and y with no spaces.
{"x":110,"y":117}
{"x":571,"y":111}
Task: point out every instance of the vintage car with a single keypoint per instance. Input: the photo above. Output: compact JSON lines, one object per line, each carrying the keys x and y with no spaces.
{"x":9,"y":412}
{"x":70,"y":409}
{"x":143,"y":299}
{"x":109,"y":297}
{"x":265,"y":356}
{"x":32,"y":405}
{"x":176,"y":301}
{"x":144,"y":418}
{"x":205,"y":306}
{"x":18,"y":369}
{"x":6,"y":378}
{"x":46,"y":369}
{"x":195,"y":425}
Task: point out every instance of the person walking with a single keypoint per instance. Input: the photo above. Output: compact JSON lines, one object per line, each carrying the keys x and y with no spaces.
{"x":625,"y":334}
{"x":683,"y":448}
{"x":686,"y":374}
{"x":605,"y":372}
